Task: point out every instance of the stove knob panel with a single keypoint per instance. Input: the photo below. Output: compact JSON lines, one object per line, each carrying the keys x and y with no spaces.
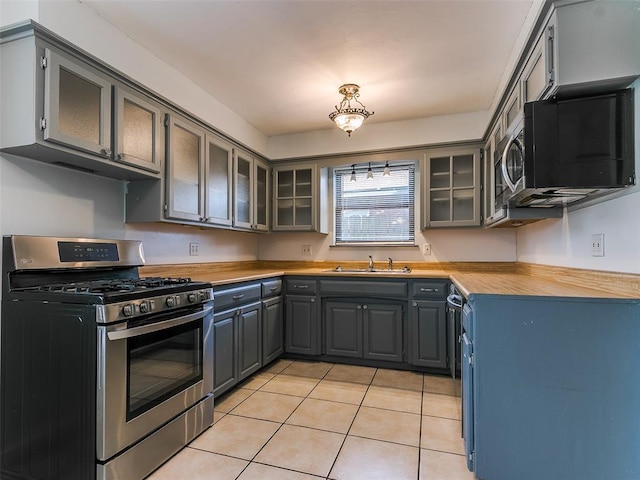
{"x":128,"y":310}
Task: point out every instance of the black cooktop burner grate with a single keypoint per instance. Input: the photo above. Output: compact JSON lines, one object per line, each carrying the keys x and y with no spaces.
{"x":114,"y":286}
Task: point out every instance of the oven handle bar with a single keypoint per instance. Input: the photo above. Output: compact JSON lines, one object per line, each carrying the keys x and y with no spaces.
{"x":174,"y":322}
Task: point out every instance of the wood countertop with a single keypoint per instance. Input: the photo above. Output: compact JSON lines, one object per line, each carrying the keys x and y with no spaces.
{"x":471,"y":278}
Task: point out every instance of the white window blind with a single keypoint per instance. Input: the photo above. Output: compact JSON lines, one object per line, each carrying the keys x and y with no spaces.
{"x":378,"y":210}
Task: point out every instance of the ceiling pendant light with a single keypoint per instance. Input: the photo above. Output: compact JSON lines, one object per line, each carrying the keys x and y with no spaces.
{"x":353,"y":173}
{"x":369,"y":173}
{"x":386,"y":172}
{"x":346,"y":117}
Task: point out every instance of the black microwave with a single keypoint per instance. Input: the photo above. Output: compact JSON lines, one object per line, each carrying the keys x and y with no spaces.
{"x":572,"y":149}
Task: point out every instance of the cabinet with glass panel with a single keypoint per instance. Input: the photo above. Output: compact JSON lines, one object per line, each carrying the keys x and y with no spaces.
{"x":451,"y":193}
{"x":299,"y":198}
{"x":251,"y":192}
{"x":85,"y":117}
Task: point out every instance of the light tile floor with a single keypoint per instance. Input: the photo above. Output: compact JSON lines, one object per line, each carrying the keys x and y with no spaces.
{"x":301,"y":420}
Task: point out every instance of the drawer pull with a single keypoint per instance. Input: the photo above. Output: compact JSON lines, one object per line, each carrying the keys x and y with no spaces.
{"x":238,"y":297}
{"x":301,"y":286}
{"x":428,"y":289}
{"x":273,"y":289}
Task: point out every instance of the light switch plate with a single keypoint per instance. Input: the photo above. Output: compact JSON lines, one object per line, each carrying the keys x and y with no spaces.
{"x":193,"y":249}
{"x":426,"y":249}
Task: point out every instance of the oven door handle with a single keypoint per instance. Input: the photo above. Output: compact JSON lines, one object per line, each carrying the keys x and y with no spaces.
{"x":154,"y":327}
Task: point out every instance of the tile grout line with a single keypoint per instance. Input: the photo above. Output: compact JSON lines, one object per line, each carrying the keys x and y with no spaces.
{"x":351,"y":425}
{"x":282,"y":423}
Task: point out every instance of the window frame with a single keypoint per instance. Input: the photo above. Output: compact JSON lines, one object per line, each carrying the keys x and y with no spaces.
{"x":413,"y":205}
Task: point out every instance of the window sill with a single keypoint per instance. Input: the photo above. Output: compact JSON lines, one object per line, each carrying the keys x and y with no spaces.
{"x":374,"y":245}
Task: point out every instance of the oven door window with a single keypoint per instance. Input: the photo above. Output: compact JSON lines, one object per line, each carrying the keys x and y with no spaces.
{"x":162,"y":364}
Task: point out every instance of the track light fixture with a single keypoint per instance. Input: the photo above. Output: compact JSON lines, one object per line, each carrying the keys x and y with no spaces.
{"x":386,"y":171}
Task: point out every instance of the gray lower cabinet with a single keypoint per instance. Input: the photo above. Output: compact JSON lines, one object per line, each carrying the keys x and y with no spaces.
{"x":272,"y":329}
{"x":364,"y":330}
{"x":428,"y":334}
{"x":238,"y":341}
{"x":550,"y":387}
{"x":302,"y":326}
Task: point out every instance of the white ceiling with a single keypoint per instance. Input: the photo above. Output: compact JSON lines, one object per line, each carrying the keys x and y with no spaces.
{"x":279,"y":63}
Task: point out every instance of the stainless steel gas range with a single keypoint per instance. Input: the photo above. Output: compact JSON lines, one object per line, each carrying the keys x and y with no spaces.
{"x":104,"y":375}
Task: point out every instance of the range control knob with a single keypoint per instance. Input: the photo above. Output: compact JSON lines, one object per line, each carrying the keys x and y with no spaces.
{"x":145,"y":307}
{"x":128,"y":310}
{"x":171,"y":302}
{"x":192,"y":298}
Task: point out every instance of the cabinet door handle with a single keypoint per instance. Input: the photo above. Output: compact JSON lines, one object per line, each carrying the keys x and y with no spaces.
{"x":120,"y":157}
{"x":106,"y":152}
{"x":359,"y":307}
{"x":365,"y":307}
{"x":301,"y":286}
{"x":415,"y":304}
{"x":312,"y":300}
{"x":238,"y":297}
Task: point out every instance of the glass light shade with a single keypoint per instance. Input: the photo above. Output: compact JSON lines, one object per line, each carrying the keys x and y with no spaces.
{"x":349,"y":121}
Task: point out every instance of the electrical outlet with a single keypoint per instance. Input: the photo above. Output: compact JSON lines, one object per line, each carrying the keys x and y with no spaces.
{"x":193,"y":249}
{"x":597,"y":245}
{"x":426,"y":249}
{"x":306,"y":250}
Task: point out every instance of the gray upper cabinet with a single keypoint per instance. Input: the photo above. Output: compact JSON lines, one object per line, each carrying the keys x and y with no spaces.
{"x":138,"y":136}
{"x":299,"y":198}
{"x":451,"y":194}
{"x":72,"y":111}
{"x":218,"y":175}
{"x":185,"y":185}
{"x":77,"y":105}
{"x":251,"y":192}
{"x":591,"y":43}
{"x":537,"y":76}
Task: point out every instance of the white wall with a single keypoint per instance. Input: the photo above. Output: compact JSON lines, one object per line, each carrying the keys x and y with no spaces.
{"x":454,"y":245}
{"x":567,"y":241}
{"x":425,"y":131}
{"x":41,"y":199}
{"x":167,"y":243}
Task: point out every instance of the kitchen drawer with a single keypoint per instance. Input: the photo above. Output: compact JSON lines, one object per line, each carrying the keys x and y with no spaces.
{"x":271,"y":288}
{"x":302,"y":286}
{"x":234,"y":297}
{"x":363,"y":287}
{"x":429,"y":289}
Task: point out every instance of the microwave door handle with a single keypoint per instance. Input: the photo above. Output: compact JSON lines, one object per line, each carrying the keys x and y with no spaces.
{"x":503,"y":164}
{"x":154,"y":327}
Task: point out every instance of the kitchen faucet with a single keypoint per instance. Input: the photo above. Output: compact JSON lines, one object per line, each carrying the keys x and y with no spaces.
{"x":370,"y":263}
{"x":390,"y":264}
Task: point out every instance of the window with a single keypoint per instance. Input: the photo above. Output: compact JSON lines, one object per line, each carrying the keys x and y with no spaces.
{"x":377,"y":210}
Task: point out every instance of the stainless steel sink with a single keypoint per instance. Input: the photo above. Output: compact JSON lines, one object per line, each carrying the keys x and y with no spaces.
{"x":339,"y":269}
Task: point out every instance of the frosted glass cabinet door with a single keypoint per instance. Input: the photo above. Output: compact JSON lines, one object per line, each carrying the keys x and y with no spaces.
{"x":219,"y":172}
{"x":243,"y":179}
{"x":261,"y":197}
{"x":138,"y":131}
{"x":77,"y":106}
{"x":186,"y":157}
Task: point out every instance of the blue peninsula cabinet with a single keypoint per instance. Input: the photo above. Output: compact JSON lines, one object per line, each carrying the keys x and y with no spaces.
{"x":551,"y":388}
